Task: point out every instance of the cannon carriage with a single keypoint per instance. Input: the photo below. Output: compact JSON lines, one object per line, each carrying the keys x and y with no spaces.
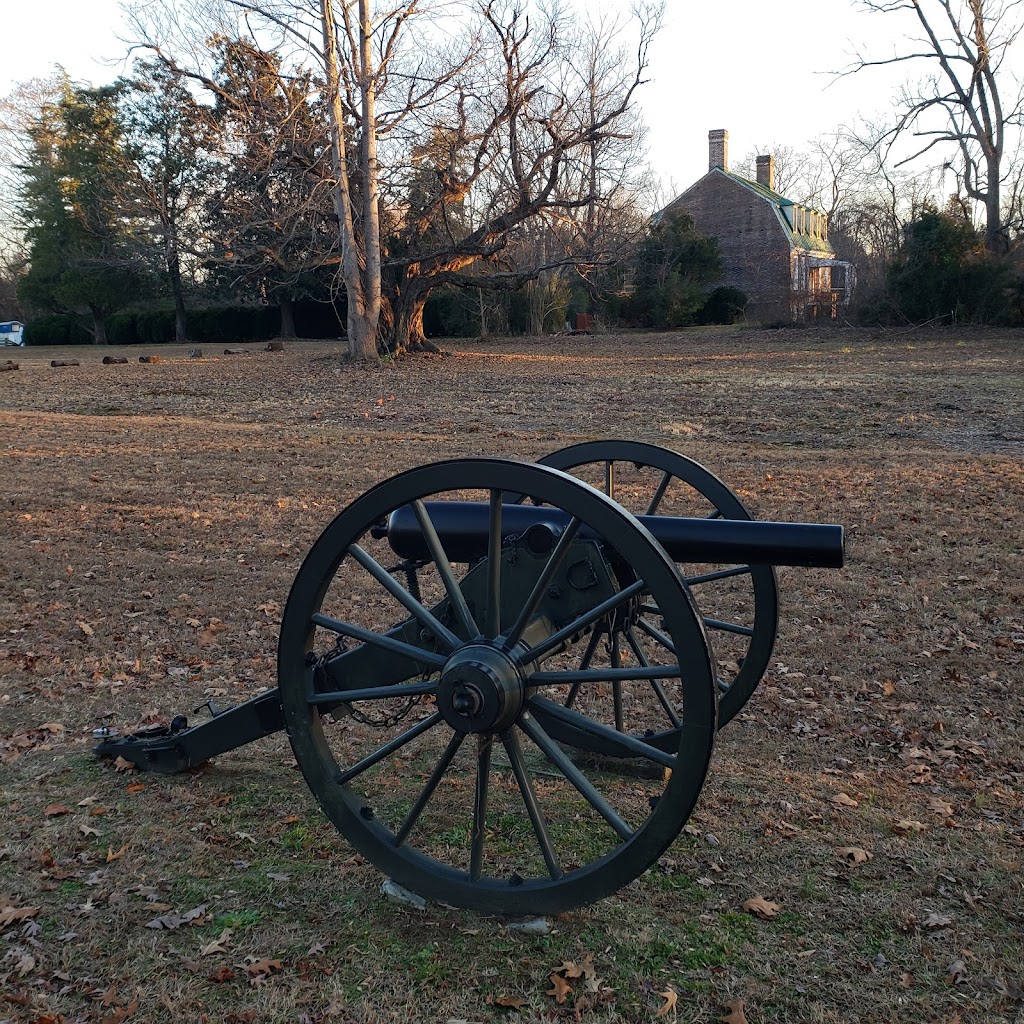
{"x":502,"y":683}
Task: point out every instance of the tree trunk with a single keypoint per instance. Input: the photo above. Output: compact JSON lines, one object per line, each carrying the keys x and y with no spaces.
{"x":362,"y":316}
{"x":99,"y":326}
{"x":402,"y":322}
{"x":287,"y":317}
{"x":995,"y":237}
{"x":174,"y":274}
{"x":482,"y":311}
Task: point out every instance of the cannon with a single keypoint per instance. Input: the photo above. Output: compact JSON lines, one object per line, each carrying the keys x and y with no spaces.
{"x":502,"y":685}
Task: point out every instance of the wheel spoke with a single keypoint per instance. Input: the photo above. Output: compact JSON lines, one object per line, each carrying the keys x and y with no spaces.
{"x":389,"y":748}
{"x":609,"y":479}
{"x":553,"y":752}
{"x":540,"y":827}
{"x":493,"y":624}
{"x":549,"y":709}
{"x":444,"y":568}
{"x":616,"y":660}
{"x":388,"y":643}
{"x":605,"y":675}
{"x":428,"y":790}
{"x":540,"y":588}
{"x":656,"y":634}
{"x":588,"y":657}
{"x":422,"y":615}
{"x":375,"y":692}
{"x":714,"y":514}
{"x":659,"y":690}
{"x":578,"y":625}
{"x":652,"y":508}
{"x":728,"y":627}
{"x":722,"y":574}
{"x":485,"y":743}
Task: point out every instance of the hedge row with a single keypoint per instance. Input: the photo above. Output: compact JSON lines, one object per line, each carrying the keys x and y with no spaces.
{"x":211,"y":324}
{"x":56,"y":330}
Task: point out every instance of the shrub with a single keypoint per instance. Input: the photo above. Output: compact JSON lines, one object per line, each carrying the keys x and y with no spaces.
{"x":320,"y":319}
{"x":226,"y":324}
{"x":121,"y":329}
{"x":725,"y":305}
{"x":155,"y":326}
{"x":945,"y":274}
{"x":59,"y":329}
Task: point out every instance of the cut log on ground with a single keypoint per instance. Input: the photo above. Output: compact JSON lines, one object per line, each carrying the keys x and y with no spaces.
{"x":111,"y":360}
{"x":10,"y":364}
{"x":276,"y":346}
{"x":65,"y":362}
{"x":236,"y":351}
{"x":149,"y":359}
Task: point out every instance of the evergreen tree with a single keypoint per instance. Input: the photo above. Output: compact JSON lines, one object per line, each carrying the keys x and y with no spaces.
{"x":944,"y":272}
{"x":672,"y":269}
{"x":271,"y":210}
{"x":168,"y":170}
{"x":80,"y":254}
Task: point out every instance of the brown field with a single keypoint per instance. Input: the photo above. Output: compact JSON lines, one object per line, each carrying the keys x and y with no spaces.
{"x":153,"y":517}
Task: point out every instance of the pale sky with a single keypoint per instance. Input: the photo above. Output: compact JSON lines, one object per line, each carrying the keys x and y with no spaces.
{"x":758,"y":69}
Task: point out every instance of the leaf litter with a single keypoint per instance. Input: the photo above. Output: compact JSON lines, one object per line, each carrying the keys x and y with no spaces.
{"x":878,"y":690}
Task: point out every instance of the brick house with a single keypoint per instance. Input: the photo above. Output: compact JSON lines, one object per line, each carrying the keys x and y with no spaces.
{"x":774,"y":250}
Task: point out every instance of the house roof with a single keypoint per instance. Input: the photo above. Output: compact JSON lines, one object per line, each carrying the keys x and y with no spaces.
{"x":783,"y":210}
{"x":799,"y":239}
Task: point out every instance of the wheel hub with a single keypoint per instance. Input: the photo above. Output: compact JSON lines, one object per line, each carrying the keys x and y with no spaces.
{"x":481,"y":690}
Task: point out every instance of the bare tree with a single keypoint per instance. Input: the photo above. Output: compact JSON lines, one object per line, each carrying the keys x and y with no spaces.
{"x":791,"y":166}
{"x":500,"y":100}
{"x":967,"y":99}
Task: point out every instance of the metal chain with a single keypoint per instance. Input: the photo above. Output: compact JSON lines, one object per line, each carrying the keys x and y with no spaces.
{"x":382,"y":722}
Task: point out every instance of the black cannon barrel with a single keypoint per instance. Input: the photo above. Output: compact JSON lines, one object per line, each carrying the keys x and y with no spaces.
{"x":462,"y":528}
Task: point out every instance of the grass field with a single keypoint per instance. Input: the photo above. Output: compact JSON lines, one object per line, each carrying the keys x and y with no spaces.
{"x":872,"y":792}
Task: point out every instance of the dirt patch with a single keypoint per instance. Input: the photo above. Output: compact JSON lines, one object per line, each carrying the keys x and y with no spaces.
{"x":153,"y":518}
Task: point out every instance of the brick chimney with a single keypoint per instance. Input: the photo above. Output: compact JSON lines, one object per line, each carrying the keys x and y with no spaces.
{"x":718,"y":149}
{"x":766,"y":171}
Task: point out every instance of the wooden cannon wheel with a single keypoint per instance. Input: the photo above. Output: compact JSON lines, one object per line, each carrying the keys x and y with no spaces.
{"x":419,"y":700}
{"x":739,"y":603}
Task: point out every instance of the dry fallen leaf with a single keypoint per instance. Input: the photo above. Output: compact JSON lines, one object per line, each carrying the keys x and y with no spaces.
{"x":122,"y":764}
{"x":54,"y":810}
{"x":905,"y":825}
{"x":844,"y":800}
{"x":735,"y":1014}
{"x":569,"y":968}
{"x":84,"y":627}
{"x":113,"y":854}
{"x":172,"y":921}
{"x":560,"y":988}
{"x":218,"y":945}
{"x":220,"y":974}
{"x":760,"y":907}
{"x":671,"y":998}
{"x":8,"y":915}
{"x":260,"y":970}
{"x":854,"y":854}
{"x":939,"y":806}
{"x":512,"y":1002}
{"x":936,"y":920}
{"x":956,"y":973}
